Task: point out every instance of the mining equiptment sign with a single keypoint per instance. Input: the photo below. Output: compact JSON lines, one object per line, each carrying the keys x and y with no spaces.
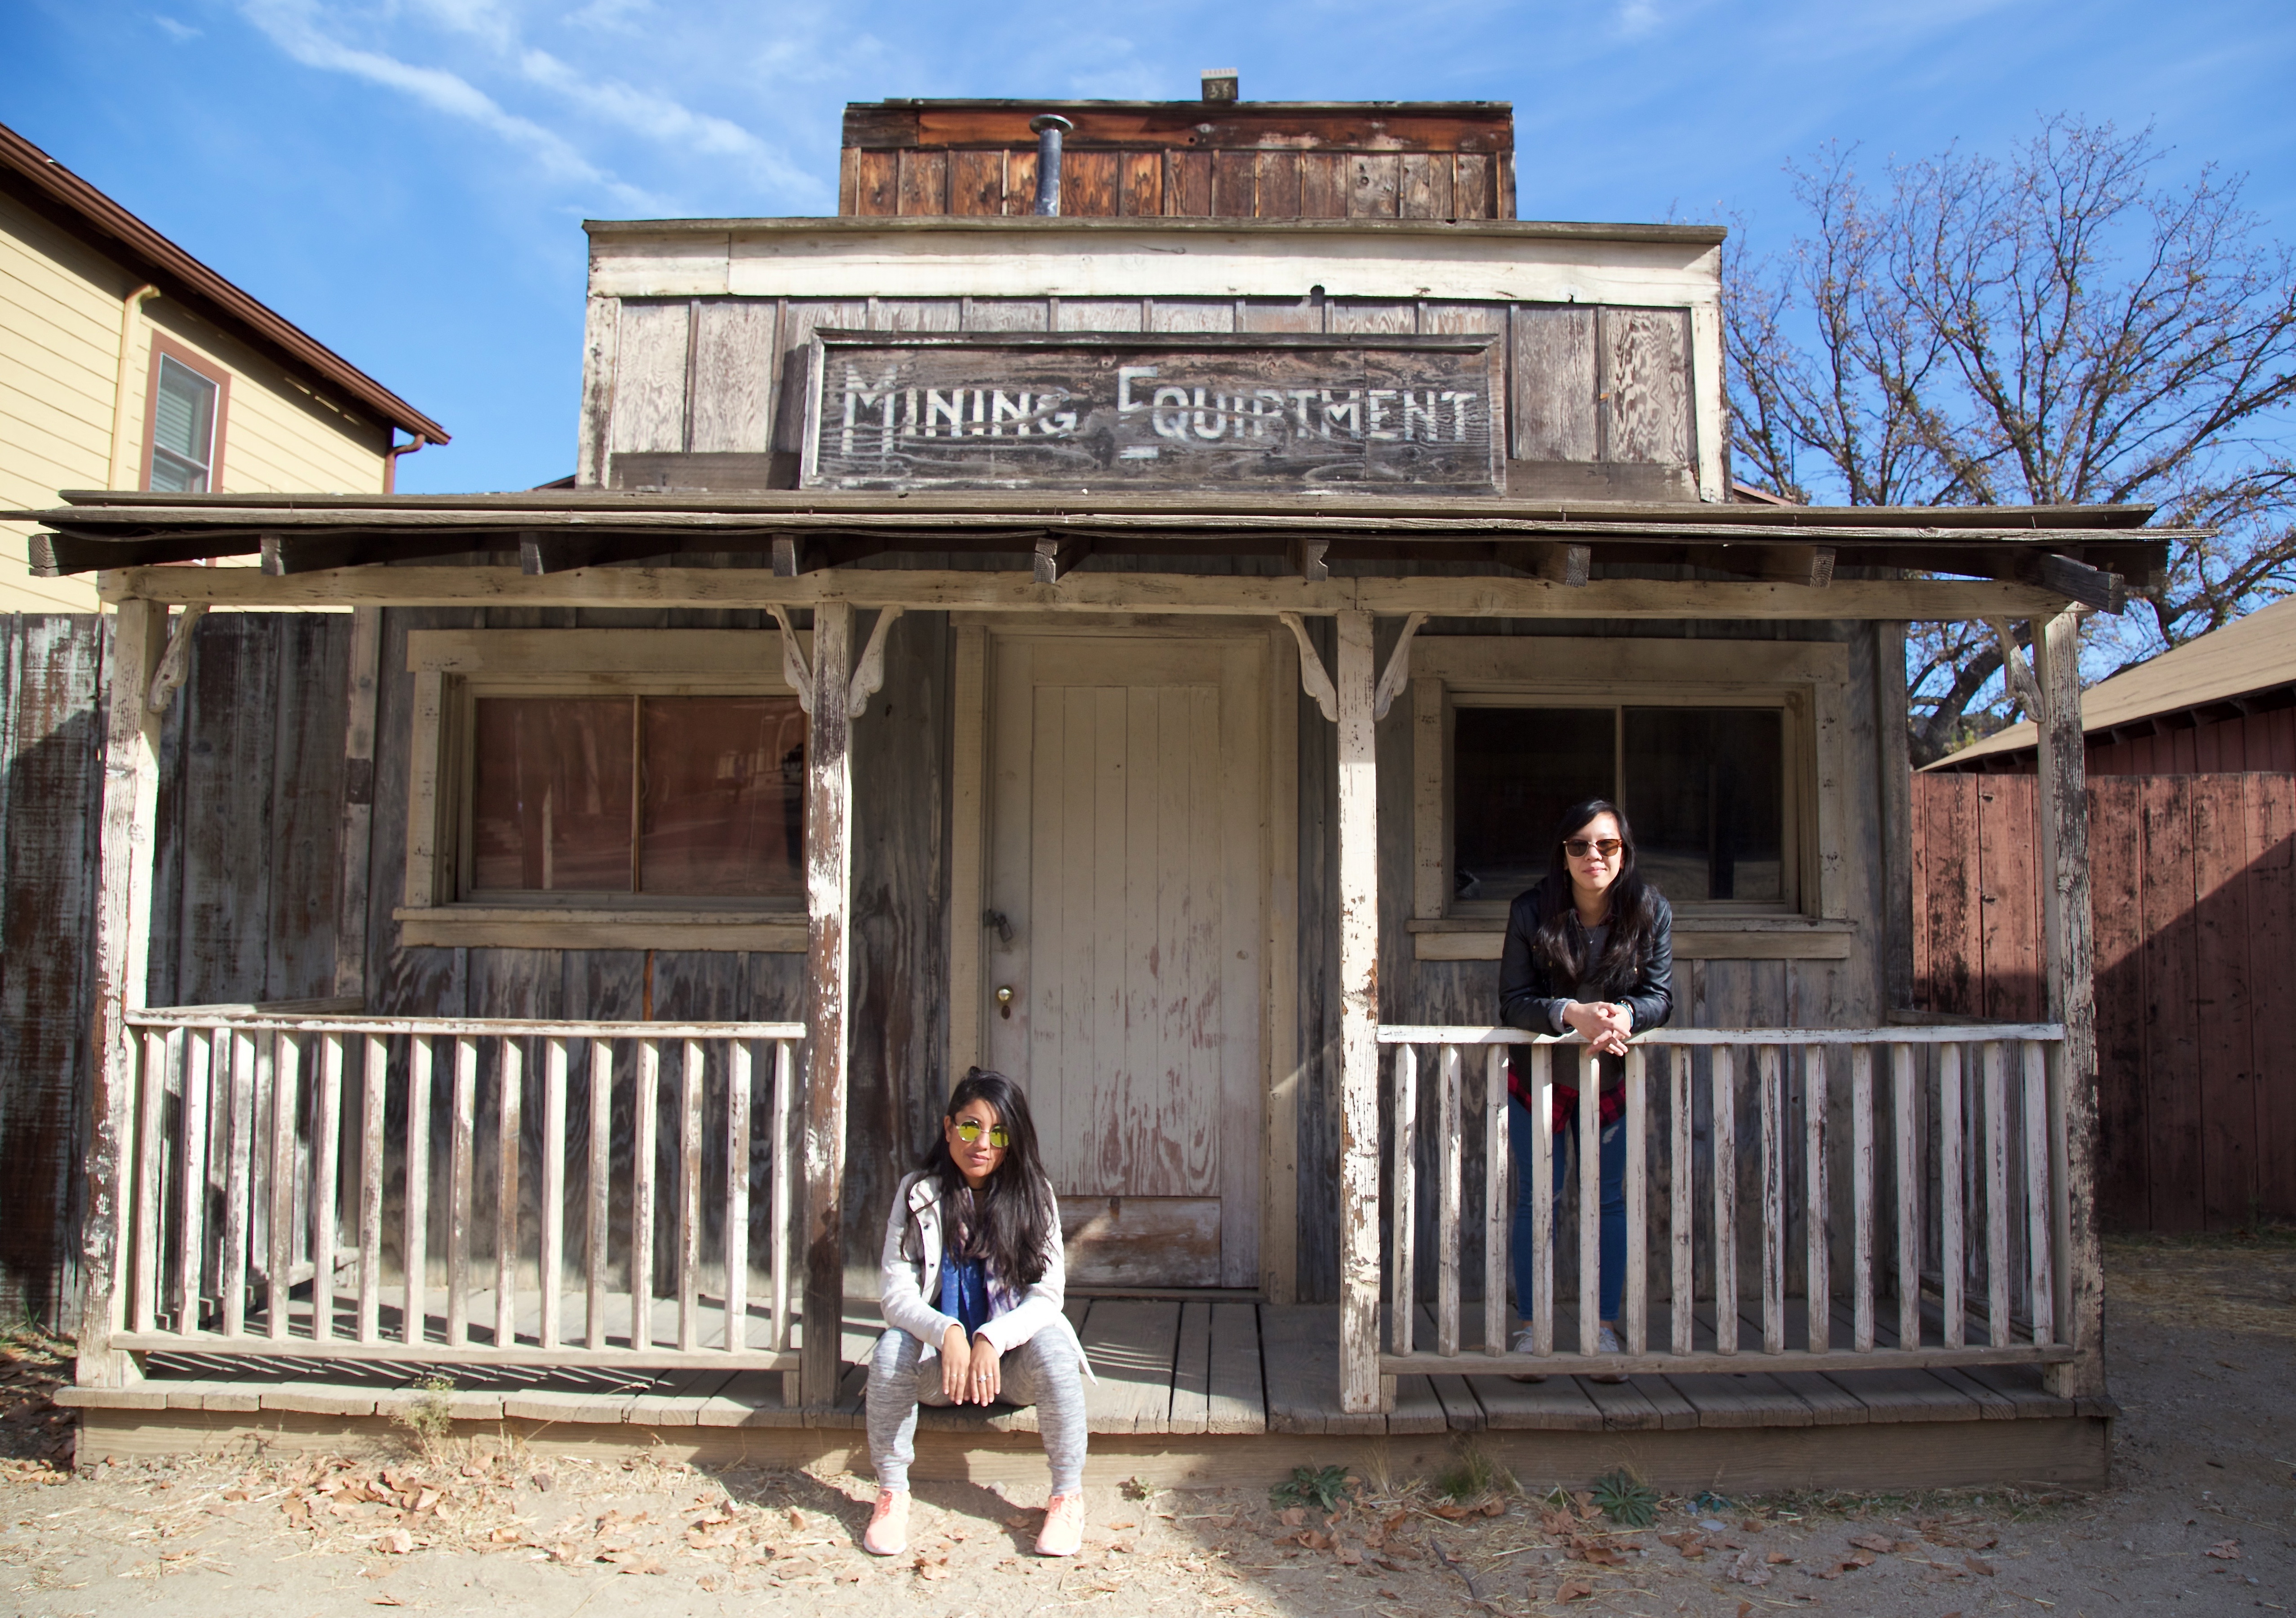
{"x":1125,"y":413}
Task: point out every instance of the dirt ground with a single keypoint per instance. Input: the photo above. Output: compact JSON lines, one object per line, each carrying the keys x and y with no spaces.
{"x":2200,"y":1519}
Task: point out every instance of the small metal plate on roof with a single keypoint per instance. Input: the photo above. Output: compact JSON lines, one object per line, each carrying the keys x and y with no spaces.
{"x":1122,"y":412}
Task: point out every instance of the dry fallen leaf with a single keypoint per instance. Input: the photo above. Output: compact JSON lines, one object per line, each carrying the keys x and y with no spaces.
{"x":1348,"y":1555}
{"x":2224,"y":1550}
{"x":1744,"y":1608}
{"x":1291,"y":1516}
{"x":1574,"y":1590}
{"x":384,"y":1600}
{"x":1748,"y":1569}
{"x":395,"y":1541}
{"x":1985,"y":1569}
{"x":1778,"y":1559}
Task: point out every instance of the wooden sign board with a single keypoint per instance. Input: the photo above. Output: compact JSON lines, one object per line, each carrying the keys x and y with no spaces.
{"x":1121,"y":412}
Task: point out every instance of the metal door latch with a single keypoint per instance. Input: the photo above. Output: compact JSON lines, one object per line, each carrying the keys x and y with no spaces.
{"x":1005,"y":1001}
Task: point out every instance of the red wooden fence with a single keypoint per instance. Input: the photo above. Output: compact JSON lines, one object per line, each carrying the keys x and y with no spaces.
{"x":2194,"y":884}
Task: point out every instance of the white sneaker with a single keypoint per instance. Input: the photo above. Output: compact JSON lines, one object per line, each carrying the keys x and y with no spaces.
{"x":1606,"y":1342}
{"x":1525,"y":1341}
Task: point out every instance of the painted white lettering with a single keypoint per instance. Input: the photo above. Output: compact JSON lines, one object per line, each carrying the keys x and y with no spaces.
{"x":1459,"y":403}
{"x":948,"y":408}
{"x":1375,"y":412}
{"x":1300,"y":397}
{"x":861,"y":399}
{"x":1169,"y":416}
{"x":1125,"y":377}
{"x":1345,"y":414}
{"x":1216,"y":411}
{"x":1004,"y":408}
{"x":1416,"y":414}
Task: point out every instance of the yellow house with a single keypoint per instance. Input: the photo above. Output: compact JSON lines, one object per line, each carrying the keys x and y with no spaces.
{"x":126,"y":364}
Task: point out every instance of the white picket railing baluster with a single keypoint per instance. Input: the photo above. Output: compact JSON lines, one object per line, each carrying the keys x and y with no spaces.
{"x":1403,"y":1312}
{"x":1796,"y":1171}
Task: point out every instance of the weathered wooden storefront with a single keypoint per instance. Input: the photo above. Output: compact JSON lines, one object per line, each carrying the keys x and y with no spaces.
{"x":1144,"y":656}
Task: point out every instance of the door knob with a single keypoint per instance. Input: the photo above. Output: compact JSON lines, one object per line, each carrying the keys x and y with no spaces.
{"x":1004,"y":1000}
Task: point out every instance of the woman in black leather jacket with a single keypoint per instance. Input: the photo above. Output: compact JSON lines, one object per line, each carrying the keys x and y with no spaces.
{"x":1589,"y":951}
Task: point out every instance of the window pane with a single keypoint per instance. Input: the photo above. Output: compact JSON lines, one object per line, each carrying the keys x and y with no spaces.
{"x":183,"y":428}
{"x":1705,"y":790}
{"x":1515,"y":770}
{"x":725,"y":796}
{"x":551,"y":807}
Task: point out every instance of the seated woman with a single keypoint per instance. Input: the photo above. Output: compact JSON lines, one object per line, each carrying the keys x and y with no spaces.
{"x":1590,"y":950}
{"x":971,"y":1275}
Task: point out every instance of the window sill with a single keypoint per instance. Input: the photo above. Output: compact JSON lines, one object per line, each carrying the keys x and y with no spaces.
{"x":1697,"y":937}
{"x":552,"y":927}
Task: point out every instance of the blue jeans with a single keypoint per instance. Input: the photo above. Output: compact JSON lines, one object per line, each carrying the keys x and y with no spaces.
{"x":1611,"y":1164}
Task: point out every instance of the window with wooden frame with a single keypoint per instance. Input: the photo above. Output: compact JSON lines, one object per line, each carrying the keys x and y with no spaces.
{"x":185,"y":410}
{"x":605,"y":789}
{"x":1722,"y":753}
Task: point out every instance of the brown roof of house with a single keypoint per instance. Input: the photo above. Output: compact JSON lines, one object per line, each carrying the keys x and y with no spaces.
{"x":57,"y":193}
{"x":2247,"y":656}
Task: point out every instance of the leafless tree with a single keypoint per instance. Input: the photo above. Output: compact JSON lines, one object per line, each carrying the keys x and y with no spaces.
{"x":2053,"y":328}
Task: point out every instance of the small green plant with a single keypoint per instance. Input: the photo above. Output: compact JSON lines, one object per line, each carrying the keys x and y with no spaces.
{"x":1136,"y":1489}
{"x":1325,"y":1488}
{"x":429,"y":1417}
{"x":1470,"y":1477}
{"x":1626,"y":1500}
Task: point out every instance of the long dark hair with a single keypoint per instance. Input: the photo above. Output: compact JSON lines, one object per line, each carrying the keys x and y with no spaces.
{"x":1560,"y":943}
{"x":1012,"y":1216}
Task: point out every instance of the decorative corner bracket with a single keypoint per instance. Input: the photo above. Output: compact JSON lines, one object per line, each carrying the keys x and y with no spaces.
{"x":793,"y":669}
{"x":1314,"y":679}
{"x":869,"y":678}
{"x":1397,"y":673}
{"x":176,"y":661}
{"x":2016,"y":673}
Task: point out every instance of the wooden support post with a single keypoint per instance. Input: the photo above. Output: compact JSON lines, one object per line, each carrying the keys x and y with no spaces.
{"x":358,"y":804}
{"x":1360,"y":1387}
{"x":828,"y":880}
{"x":2070,"y":947}
{"x":1891,"y":722}
{"x":123,"y":909}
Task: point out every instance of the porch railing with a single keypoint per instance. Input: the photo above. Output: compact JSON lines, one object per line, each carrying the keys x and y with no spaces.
{"x":1953,"y":1225}
{"x":459,"y":1191}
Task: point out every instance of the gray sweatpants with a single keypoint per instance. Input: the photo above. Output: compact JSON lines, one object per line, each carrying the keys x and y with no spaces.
{"x":1041,"y":1372}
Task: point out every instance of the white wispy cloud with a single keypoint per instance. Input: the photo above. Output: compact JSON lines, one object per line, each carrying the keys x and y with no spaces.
{"x":1637,"y":18}
{"x":180,"y":32}
{"x":471,"y":60}
{"x":658,"y":118}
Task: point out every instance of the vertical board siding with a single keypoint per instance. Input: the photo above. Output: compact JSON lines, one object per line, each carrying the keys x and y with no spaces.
{"x":246,"y":870}
{"x":650,"y":368}
{"x":53,"y":781}
{"x":734,"y":375}
{"x":2194,"y":907}
{"x":1589,"y":386}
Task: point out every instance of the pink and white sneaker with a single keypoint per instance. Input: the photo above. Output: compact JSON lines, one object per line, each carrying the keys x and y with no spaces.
{"x":889,"y":1525}
{"x":1063,"y":1533}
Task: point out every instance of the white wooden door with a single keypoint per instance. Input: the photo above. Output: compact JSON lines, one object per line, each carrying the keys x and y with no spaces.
{"x":1126,"y":858}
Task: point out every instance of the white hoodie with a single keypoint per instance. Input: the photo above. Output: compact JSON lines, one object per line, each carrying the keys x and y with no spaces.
{"x":908,"y":1284}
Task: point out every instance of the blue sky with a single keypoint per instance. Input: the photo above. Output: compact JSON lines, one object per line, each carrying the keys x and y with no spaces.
{"x":407,"y":178}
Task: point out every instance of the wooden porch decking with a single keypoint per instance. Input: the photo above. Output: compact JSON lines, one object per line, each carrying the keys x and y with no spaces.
{"x":1187,"y":1389}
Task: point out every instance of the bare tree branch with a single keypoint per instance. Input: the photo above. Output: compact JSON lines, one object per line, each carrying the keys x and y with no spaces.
{"x":2048,"y":328}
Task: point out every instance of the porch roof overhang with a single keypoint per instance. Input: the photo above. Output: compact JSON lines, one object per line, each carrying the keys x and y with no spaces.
{"x":1497,"y":557}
